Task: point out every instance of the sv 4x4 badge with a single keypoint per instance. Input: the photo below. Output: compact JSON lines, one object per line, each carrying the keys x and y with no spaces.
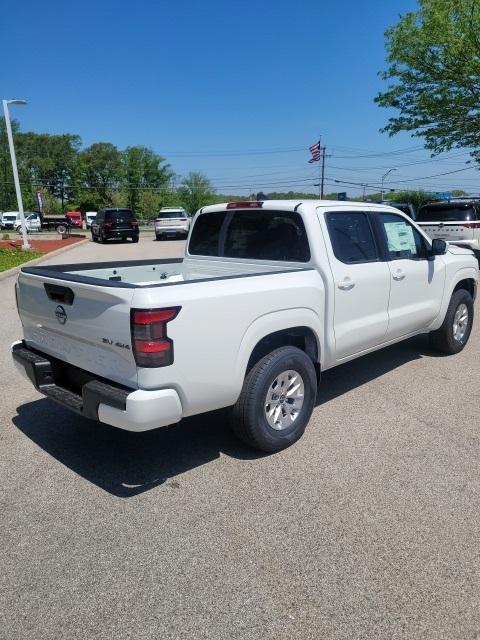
{"x":113,"y":343}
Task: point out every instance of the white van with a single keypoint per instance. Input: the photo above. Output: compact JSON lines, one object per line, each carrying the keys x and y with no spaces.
{"x":9,"y":219}
{"x":90,"y":217}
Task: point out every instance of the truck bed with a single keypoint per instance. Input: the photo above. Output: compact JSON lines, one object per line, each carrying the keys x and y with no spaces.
{"x":149,"y":273}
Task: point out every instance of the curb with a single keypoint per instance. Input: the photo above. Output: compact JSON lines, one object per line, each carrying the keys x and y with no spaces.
{"x":11,"y":272}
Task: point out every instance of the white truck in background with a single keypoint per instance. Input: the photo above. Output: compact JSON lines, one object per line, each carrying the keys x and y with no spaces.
{"x":268,"y":296}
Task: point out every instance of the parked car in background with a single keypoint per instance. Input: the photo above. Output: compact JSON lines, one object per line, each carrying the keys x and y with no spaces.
{"x":404,"y":207}
{"x":268,"y":296}
{"x":9,"y":219}
{"x":456,"y":221}
{"x":12,"y":220}
{"x":74,"y":218}
{"x":172,"y":222}
{"x":32,"y":223}
{"x":90,"y":217}
{"x":115,"y":223}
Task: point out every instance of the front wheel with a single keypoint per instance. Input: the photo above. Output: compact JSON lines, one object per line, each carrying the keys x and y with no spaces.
{"x":455,"y":331}
{"x":135,"y":239}
{"x":276,"y":401}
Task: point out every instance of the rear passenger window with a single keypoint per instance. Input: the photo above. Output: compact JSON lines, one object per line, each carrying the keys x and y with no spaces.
{"x":352,"y":237}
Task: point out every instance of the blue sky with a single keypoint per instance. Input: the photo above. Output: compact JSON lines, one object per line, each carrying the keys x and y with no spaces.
{"x":200,"y":82}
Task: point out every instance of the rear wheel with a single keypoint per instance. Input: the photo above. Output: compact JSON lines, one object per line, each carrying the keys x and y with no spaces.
{"x":61,"y":228}
{"x":276,"y":401}
{"x":455,"y":331}
{"x":158,"y":237}
{"x":135,"y":239}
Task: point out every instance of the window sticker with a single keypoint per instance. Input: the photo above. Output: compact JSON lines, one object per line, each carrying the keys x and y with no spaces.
{"x":400,"y":238}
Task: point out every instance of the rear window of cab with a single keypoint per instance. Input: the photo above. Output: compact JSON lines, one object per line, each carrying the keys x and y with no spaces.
{"x":254,"y":235}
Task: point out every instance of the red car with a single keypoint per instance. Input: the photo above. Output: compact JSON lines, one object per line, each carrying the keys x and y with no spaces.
{"x":74,"y":218}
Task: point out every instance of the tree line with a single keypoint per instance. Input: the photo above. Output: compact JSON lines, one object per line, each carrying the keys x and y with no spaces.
{"x":101,"y":175}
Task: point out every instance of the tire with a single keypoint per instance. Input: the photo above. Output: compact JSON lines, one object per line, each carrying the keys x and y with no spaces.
{"x":455,"y":331}
{"x":249,"y":415}
{"x":19,"y":230}
{"x":135,"y":239}
{"x":94,"y":237}
{"x":157,"y":237}
{"x":61,"y":228}
{"x":103,"y":238}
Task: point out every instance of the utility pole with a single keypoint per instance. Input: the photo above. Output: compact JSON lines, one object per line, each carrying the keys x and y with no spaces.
{"x":322,"y":175}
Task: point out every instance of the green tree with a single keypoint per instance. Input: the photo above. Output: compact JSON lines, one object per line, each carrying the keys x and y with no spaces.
{"x":143,"y":169}
{"x":99,"y":172}
{"x":44,"y":161}
{"x":417,"y":198}
{"x":196,"y":191}
{"x":434,"y":75}
{"x":48,"y":161}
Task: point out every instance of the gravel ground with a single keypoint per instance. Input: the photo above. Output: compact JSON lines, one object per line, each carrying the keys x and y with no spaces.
{"x":368,"y":528}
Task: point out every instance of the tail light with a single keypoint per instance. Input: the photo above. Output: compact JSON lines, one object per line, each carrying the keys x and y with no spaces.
{"x":133,"y":223}
{"x":151,"y":345}
{"x":471,"y":225}
{"x":107,"y":225}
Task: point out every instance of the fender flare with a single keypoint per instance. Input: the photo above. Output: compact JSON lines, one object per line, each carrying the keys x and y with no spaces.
{"x":270,"y":323}
{"x":466,"y":273}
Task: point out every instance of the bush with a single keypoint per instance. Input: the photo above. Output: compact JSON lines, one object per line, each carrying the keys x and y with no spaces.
{"x":6,"y":236}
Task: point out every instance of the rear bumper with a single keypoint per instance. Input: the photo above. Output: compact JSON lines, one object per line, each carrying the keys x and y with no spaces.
{"x":121,"y":233}
{"x":132,"y":410}
{"x":171,"y":231}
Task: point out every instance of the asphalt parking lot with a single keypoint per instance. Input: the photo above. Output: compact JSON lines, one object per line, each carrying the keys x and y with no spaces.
{"x":368,"y":528}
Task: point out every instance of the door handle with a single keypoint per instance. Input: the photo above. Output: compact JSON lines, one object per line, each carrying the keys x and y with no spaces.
{"x":346,"y":284}
{"x":399,"y":274}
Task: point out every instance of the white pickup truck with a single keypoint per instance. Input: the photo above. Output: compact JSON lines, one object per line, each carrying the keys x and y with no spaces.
{"x":268,"y":295}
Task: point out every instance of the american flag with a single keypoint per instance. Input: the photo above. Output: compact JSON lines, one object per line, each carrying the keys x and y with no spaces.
{"x":315,"y":151}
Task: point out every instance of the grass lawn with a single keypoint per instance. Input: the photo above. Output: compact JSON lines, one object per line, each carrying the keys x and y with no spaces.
{"x":10,"y":258}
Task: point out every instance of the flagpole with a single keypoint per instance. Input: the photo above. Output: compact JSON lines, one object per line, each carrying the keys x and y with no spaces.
{"x":319,"y":168}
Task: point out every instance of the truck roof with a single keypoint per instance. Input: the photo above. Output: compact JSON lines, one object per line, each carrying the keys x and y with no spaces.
{"x":293,"y":205}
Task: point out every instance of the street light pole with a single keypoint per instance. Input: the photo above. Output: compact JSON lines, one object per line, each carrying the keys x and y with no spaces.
{"x":25,"y":245}
{"x":383,"y":179}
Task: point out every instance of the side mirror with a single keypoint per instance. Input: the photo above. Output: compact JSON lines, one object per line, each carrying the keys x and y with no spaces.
{"x":439,"y":247}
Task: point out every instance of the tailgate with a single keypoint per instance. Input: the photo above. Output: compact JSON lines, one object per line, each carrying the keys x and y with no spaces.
{"x":85,"y":325}
{"x":448,"y":230}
